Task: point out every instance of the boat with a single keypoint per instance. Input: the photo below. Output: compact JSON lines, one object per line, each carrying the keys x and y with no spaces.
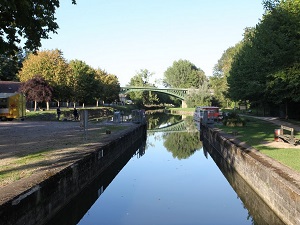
{"x":213,"y":113}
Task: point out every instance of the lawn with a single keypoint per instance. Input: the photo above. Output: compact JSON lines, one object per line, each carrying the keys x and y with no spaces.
{"x":257,"y":132}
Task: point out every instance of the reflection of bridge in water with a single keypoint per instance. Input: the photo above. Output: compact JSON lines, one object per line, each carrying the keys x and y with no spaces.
{"x":172,"y":128}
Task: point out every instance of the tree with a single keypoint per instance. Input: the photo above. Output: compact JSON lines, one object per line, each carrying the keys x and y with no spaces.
{"x":266,"y":69}
{"x":29,"y":20}
{"x":183,"y":74}
{"x":51,"y":65}
{"x":218,"y":82}
{"x":111,"y":87}
{"x":36,"y":89}
{"x":141,"y":79}
{"x":9,"y":66}
{"x":199,"y":96}
{"x":83,"y":85}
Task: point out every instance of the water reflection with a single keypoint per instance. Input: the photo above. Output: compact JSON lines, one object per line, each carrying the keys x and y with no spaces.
{"x":182,"y":145}
{"x":180,"y":137}
{"x":159,"y":119}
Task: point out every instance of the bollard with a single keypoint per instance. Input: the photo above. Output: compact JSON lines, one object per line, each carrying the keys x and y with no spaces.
{"x":276,"y":134}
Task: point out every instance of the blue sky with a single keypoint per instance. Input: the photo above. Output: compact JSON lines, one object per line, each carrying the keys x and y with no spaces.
{"x":124,"y":36}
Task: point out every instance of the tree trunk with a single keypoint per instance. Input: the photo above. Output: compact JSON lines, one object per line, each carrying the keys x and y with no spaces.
{"x":35,"y":105}
{"x":47,"y":105}
{"x":286,"y":110}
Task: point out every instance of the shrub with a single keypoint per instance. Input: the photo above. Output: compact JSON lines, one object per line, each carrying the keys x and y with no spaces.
{"x":233,"y":119}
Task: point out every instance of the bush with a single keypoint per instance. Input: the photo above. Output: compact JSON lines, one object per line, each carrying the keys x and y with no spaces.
{"x":233,"y":119}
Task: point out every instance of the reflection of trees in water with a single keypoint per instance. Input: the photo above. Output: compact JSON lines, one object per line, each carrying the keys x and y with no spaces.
{"x":157,"y":119}
{"x":190,"y":124}
{"x":182,"y":144}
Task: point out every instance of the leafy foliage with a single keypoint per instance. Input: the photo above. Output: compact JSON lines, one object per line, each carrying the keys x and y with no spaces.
{"x":111,"y":87}
{"x":29,"y":20}
{"x":218,"y":82}
{"x":200,"y":96}
{"x":37,"y":89}
{"x":9,"y":66}
{"x":74,"y":81}
{"x":84,"y":84}
{"x":233,"y":119}
{"x":141,"y":79}
{"x":266,"y":68}
{"x":183,"y":74}
{"x":51,"y":65}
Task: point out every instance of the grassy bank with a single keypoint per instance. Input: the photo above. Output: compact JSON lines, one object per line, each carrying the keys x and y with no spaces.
{"x":257,"y":133}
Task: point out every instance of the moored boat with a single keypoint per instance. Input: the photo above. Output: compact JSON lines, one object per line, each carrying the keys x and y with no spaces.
{"x":213,"y":113}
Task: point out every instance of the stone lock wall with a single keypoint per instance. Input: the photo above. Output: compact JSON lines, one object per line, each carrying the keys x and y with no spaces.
{"x":276,"y":184}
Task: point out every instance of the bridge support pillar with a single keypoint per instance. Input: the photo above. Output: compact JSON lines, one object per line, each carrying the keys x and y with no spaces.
{"x":183,"y":104}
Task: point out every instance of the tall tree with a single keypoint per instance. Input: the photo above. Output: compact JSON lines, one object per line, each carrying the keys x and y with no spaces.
{"x":111,"y":87}
{"x":267,"y":67}
{"x":52,"y":66}
{"x":84,"y":84}
{"x":218,"y":82}
{"x":200,"y":96}
{"x":36,"y":89}
{"x":9,"y":66}
{"x":141,"y":79}
{"x":183,"y":74}
{"x":29,"y":20}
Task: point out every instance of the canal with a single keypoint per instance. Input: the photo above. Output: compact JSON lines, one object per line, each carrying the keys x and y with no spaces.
{"x":170,"y":179}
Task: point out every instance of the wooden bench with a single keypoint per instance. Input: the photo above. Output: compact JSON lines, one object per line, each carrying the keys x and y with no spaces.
{"x":290,"y":138}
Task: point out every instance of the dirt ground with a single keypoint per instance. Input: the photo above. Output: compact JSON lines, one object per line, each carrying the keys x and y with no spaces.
{"x":32,"y":151}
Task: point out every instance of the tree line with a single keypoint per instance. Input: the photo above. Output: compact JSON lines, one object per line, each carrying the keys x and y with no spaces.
{"x":72,"y":81}
{"x":264,"y":68}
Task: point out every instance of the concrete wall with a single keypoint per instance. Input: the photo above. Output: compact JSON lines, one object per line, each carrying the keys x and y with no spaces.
{"x":40,"y":202}
{"x":276,"y":184}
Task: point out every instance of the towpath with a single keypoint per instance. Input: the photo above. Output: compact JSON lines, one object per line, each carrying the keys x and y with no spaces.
{"x":278,"y":122}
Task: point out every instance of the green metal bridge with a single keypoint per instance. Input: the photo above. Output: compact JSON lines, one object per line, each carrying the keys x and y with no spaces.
{"x":176,"y":92}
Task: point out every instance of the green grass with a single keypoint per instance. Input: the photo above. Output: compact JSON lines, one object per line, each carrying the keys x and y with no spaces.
{"x":41,"y":115}
{"x":183,"y":109}
{"x":15,"y":169}
{"x":256,"y":132}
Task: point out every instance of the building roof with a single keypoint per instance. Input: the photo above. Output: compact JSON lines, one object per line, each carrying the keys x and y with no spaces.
{"x":9,"y":86}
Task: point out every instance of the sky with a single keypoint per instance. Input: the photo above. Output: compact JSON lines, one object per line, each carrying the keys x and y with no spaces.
{"x":123,"y":37}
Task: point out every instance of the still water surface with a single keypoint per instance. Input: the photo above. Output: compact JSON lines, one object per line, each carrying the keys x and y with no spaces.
{"x":160,"y":189}
{"x":172,"y":180}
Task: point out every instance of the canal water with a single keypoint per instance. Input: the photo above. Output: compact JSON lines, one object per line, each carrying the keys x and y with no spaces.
{"x":170,"y":179}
